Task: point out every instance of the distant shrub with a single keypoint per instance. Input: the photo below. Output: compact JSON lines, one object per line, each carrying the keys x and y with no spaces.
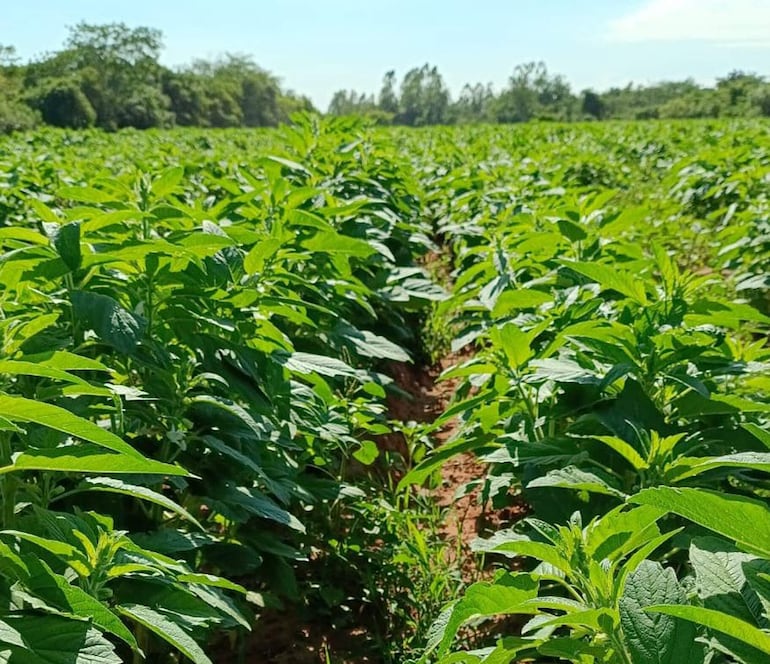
{"x":16,"y":116}
{"x":64,"y":104}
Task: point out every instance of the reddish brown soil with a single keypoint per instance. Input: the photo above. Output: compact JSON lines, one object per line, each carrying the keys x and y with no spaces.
{"x":466,"y":518}
{"x":283,"y":637}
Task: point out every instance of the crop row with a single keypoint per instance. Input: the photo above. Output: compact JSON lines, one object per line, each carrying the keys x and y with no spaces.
{"x":188,"y":359}
{"x":619,"y":385}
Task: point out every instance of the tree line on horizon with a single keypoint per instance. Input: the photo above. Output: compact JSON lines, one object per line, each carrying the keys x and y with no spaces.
{"x":109,"y":76}
{"x":532,"y":93}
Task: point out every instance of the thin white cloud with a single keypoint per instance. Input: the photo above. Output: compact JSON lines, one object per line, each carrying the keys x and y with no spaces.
{"x":743,"y":23}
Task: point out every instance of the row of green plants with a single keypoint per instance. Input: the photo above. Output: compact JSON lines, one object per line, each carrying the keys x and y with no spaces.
{"x":193,"y":335}
{"x":618,"y":312}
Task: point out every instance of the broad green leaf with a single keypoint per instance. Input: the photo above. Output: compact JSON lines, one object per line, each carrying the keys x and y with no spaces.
{"x":693,"y":404}
{"x":520,"y":299}
{"x":56,"y":590}
{"x":253,"y":502}
{"x":23,"y":234}
{"x":511,"y":543}
{"x":611,"y":279}
{"x":515,"y":344}
{"x":308,"y":363}
{"x":167,"y":181}
{"x":501,"y":597}
{"x":574,"y":478}
{"x":625,"y":450}
{"x":591,"y":618}
{"x":719,"y":622}
{"x":112,"y":485}
{"x":45,"y":213}
{"x":166,"y":629}
{"x":112,"y":323}
{"x":656,"y":638}
{"x":747,"y":460}
{"x":255,"y":260}
{"x":56,"y":547}
{"x":54,"y":640}
{"x":85,"y":195}
{"x":21,"y":367}
{"x":66,"y":241}
{"x":724,"y":314}
{"x":721,"y":582}
{"x":89,"y":459}
{"x":19,"y":409}
{"x":66,"y":361}
{"x":574,"y":650}
{"x":289,"y":164}
{"x":759,"y":433}
{"x":742,"y":520}
{"x":211,"y":580}
{"x":336,"y":243}
{"x":367,"y":453}
{"x":368,"y":344}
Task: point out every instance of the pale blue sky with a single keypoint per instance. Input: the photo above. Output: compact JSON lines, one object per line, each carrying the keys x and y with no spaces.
{"x":319,"y":46}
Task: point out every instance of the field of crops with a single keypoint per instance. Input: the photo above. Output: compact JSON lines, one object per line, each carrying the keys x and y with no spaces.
{"x":204,"y":338}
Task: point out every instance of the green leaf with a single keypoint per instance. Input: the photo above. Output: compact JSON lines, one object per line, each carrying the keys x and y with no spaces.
{"x":724,"y":314}
{"x":166,"y":629}
{"x":56,"y":547}
{"x":112,"y":485}
{"x":721,"y":582}
{"x":54,"y":640}
{"x":65,"y":361}
{"x":740,"y":519}
{"x":520,"y":299}
{"x":308,"y":363}
{"x":625,"y":450}
{"x":255,"y":503}
{"x":693,"y":404}
{"x":515,"y":344}
{"x":367,"y":453}
{"x":289,"y":164}
{"x":510,"y":543}
{"x":609,"y":279}
{"x":57,"y":591}
{"x":747,"y":460}
{"x":719,"y":622}
{"x":21,"y":367}
{"x":656,"y":638}
{"x":85,"y":195}
{"x":591,"y":618}
{"x":167,"y":181}
{"x":89,"y":459}
{"x":66,"y":241}
{"x":503,"y":596}
{"x":758,"y":433}
{"x":19,"y":409}
{"x":112,"y":323}
{"x":211,"y":580}
{"x":574,"y":478}
{"x":45,"y":213}
{"x":368,"y":344}
{"x":255,"y":260}
{"x":336,"y":243}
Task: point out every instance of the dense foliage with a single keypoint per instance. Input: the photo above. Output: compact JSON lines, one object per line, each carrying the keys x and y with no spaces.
{"x":188,"y":363}
{"x":196,"y":332}
{"x":109,"y":76}
{"x":619,"y":386}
